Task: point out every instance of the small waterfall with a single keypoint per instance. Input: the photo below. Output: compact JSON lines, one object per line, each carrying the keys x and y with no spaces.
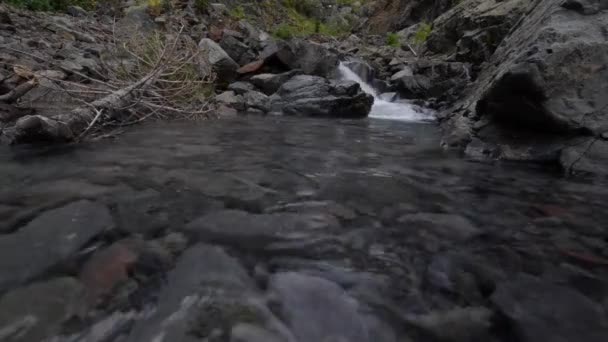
{"x":383,"y":109}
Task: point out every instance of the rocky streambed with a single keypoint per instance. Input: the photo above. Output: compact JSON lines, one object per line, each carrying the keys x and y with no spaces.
{"x":278,"y":229}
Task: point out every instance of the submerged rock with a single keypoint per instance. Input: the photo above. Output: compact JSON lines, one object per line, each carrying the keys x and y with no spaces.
{"x":256,"y":231}
{"x":319,"y":310}
{"x":50,"y":239}
{"x":539,"y":310}
{"x":305,"y":95}
{"x":38,"y":311}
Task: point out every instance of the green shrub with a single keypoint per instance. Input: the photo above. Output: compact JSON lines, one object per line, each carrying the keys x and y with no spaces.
{"x":52,"y":5}
{"x":304,"y":7}
{"x":392,"y":39}
{"x":238,"y":12}
{"x":422,"y":34}
{"x":201,"y":5}
{"x":284,"y":31}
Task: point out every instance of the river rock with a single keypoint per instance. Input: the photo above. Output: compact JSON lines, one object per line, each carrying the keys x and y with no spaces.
{"x":36,"y":312}
{"x":305,"y":95}
{"x":539,"y":310}
{"x":241,"y":87}
{"x":311,"y":58}
{"x":203,"y":293}
{"x":270,"y":83}
{"x":450,"y":226}
{"x":318,"y":310}
{"x":37,"y":128}
{"x":224,"y":66}
{"x":230,"y":99}
{"x":455,"y":325}
{"x":256,"y":100}
{"x":256,"y":231}
{"x":50,"y":239}
{"x":235,"y":48}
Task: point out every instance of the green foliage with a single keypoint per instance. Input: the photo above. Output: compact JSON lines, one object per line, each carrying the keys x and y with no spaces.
{"x":201,"y":5}
{"x":305,"y":7}
{"x":392,"y":39}
{"x":422,"y":34}
{"x":52,"y":5}
{"x":284,"y":31}
{"x":300,"y":25}
{"x":238,"y":12}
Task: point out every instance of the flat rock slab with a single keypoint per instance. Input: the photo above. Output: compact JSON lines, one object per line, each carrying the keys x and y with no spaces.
{"x":50,"y":239}
{"x":37,"y":311}
{"x":255,"y":231}
{"x":542,"y":311}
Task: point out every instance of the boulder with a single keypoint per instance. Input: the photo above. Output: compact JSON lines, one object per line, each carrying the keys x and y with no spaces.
{"x":305,"y":95}
{"x":544,"y":84}
{"x":317,"y":309}
{"x":37,"y":128}
{"x":230,"y":99}
{"x":38,"y":311}
{"x":240,"y":87}
{"x":64,"y":231}
{"x":311,"y":58}
{"x":541,"y":311}
{"x":270,"y":83}
{"x":204,"y":292}
{"x":235,"y":48}
{"x":474,"y":28}
{"x":443,"y":81}
{"x":223,"y":65}
{"x":256,"y":100}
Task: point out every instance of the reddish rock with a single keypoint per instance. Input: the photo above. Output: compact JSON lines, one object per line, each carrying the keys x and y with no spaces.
{"x":105,"y":269}
{"x":251,"y":67}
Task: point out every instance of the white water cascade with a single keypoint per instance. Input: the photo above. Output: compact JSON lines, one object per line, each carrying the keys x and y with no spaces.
{"x":383,"y":109}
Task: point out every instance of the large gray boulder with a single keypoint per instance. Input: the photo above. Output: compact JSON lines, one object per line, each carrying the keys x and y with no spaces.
{"x":544,"y":84}
{"x":222,"y":63}
{"x":306,"y":95}
{"x":311,"y":58}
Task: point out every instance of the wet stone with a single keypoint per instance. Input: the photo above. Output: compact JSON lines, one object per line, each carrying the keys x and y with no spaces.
{"x":255,"y":231}
{"x":317,"y":309}
{"x":51,"y":238}
{"x":37,"y":311}
{"x":539,"y":310}
{"x":203,"y":280}
{"x":450,"y":226}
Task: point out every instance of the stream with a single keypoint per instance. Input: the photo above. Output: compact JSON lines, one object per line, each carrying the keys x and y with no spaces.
{"x":281,"y":229}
